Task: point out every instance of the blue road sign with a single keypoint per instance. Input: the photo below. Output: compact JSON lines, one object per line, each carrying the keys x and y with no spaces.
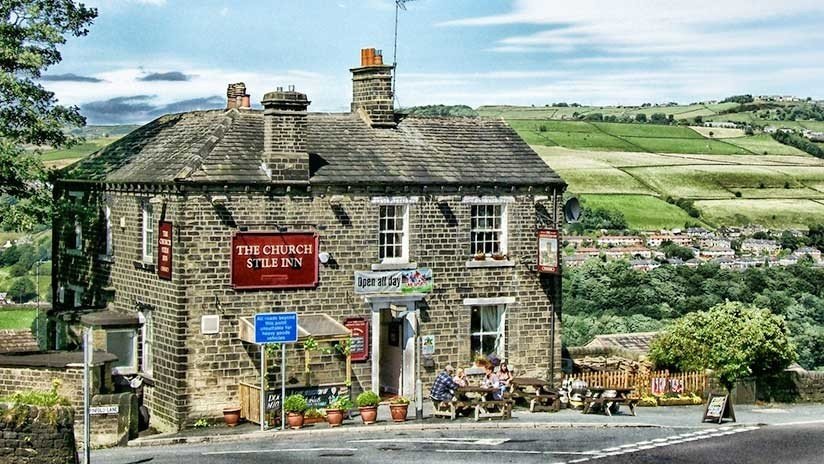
{"x":276,"y":327}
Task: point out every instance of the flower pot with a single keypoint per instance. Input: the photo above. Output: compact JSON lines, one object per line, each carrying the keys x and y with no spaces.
{"x":398,"y":412}
{"x":498,"y":257}
{"x":334,"y":417}
{"x":369,"y":414}
{"x":480,"y":256}
{"x":231,"y":416}
{"x":295,"y":420}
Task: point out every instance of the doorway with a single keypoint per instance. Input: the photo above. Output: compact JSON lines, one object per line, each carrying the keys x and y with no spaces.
{"x":391,"y":354}
{"x":393,"y":348}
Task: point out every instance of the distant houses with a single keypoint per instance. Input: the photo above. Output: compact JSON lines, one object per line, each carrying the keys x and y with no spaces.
{"x":643,"y":252}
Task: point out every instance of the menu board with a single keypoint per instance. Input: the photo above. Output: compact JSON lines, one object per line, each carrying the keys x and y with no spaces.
{"x":718,"y":408}
{"x":359,"y":349}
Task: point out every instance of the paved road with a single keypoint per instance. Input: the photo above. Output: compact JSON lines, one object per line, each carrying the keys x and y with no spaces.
{"x":717,"y":445}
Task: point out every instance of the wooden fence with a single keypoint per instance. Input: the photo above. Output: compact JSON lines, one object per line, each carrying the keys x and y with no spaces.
{"x":653,"y":382}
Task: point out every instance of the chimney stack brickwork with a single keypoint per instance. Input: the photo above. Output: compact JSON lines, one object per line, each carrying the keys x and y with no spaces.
{"x":372,"y":89}
{"x":236,"y":96}
{"x":284,"y":132}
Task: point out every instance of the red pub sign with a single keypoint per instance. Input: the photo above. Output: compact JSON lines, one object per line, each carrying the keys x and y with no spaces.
{"x":548,"y":252}
{"x":359,"y":349}
{"x":274,"y":260}
{"x":164,"y":251}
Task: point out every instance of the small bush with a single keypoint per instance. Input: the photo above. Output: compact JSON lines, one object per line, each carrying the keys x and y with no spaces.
{"x":341,"y":402}
{"x":313,"y":413}
{"x":399,"y":400}
{"x":38,"y":398}
{"x":295,"y":403}
{"x":368,"y":398}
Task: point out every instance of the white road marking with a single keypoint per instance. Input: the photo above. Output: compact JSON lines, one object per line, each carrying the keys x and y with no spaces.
{"x":810,"y":422}
{"x":444,"y":441}
{"x":499,"y":451}
{"x":278,"y":450}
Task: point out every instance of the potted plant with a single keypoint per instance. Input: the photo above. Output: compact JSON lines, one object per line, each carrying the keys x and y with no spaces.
{"x":295,"y":406}
{"x":368,"y":405}
{"x":313,"y":416}
{"x":231,"y":415}
{"x":398,"y":407}
{"x":335,"y":411}
{"x":479,"y":256}
{"x":498,"y":256}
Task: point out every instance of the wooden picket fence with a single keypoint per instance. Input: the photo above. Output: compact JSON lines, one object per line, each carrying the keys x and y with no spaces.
{"x":651,"y":382}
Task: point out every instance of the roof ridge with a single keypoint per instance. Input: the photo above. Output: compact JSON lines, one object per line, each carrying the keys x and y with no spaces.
{"x":211,"y":142}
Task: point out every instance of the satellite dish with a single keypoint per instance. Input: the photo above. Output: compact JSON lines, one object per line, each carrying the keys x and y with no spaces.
{"x":572,"y":210}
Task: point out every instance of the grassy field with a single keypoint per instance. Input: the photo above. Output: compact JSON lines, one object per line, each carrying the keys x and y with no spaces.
{"x":769,"y":213}
{"x":643,"y":212}
{"x":17,"y":318}
{"x":78,"y":151}
{"x":554,"y":112}
{"x":584,"y":135}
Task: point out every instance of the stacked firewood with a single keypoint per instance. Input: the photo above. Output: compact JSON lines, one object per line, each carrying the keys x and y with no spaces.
{"x":611,"y":364}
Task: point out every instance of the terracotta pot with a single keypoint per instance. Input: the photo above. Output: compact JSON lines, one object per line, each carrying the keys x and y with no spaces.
{"x":295,"y":420}
{"x":334,"y":417}
{"x":369,"y":414}
{"x":398,"y":412}
{"x":231,"y":416}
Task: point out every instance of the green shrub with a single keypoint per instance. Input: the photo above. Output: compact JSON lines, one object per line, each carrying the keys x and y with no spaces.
{"x":295,"y":403}
{"x":312,"y":413}
{"x":399,"y":400}
{"x":368,"y":398}
{"x":38,"y":398}
{"x":341,"y":402}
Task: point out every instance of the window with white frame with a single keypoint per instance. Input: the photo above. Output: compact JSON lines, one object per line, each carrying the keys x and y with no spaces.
{"x":146,"y":341}
{"x":148,"y":233}
{"x":393,"y":239}
{"x":487,"y":330}
{"x":123,"y":344}
{"x":488,"y":228}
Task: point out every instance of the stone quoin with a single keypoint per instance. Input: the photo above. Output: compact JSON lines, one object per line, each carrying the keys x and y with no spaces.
{"x":439,"y":217}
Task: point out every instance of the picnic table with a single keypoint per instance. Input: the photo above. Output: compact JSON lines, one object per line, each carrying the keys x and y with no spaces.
{"x":598,"y":399}
{"x":477,"y":399}
{"x":537,"y":392}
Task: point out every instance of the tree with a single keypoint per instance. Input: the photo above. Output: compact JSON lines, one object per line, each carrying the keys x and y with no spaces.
{"x":673,"y":250}
{"x":22,"y":290}
{"x":815,"y":236}
{"x":734,"y":339}
{"x":30,"y":33}
{"x":641,"y":117}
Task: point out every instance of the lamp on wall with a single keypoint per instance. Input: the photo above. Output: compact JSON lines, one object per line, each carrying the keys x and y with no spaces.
{"x":324,"y":257}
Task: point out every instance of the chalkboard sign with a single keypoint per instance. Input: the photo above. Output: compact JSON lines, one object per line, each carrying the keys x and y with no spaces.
{"x":316,"y":397}
{"x":719,"y":407}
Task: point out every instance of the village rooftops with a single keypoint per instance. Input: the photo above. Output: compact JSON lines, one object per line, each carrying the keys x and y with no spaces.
{"x":227,"y":146}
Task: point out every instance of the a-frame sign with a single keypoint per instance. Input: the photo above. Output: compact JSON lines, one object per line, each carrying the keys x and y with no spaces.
{"x":719,"y":407}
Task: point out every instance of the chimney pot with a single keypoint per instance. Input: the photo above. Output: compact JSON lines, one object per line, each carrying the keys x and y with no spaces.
{"x":234,"y":93}
{"x":372,"y":89}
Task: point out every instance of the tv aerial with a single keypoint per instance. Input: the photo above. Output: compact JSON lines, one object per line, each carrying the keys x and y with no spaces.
{"x":399,"y":5}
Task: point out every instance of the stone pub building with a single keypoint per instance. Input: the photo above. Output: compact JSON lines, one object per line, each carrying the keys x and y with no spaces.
{"x":173,"y":237}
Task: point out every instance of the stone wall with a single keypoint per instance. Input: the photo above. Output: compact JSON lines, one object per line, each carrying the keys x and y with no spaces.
{"x":15,"y":379}
{"x":791,"y":386}
{"x":37,"y":435}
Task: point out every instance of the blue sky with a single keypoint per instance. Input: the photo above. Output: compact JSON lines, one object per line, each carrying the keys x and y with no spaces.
{"x":146,"y":57}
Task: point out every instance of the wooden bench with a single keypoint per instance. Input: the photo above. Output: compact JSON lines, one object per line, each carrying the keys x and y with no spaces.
{"x":495,"y":409}
{"x":544,"y":402}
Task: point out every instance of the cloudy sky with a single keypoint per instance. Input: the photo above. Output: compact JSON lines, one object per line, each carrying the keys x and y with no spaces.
{"x":144,"y":58}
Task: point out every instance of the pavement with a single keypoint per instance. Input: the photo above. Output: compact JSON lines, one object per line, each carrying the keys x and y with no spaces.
{"x":672,"y":417}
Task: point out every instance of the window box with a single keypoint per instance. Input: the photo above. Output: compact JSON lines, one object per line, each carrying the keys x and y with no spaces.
{"x":489,"y":263}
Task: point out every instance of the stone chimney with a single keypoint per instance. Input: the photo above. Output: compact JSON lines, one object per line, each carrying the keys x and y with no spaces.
{"x":372,"y":95}
{"x":236,"y":96}
{"x":284,"y":135}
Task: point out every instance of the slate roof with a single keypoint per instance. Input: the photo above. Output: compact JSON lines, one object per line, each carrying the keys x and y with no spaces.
{"x":226,"y":146}
{"x":17,"y":341}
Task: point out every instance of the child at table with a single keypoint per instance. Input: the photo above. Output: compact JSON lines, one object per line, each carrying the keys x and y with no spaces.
{"x":504,"y":374}
{"x":460,"y":378}
{"x":491,"y":380}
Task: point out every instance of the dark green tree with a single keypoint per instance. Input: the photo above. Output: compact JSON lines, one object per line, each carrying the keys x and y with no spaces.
{"x":22,"y":290}
{"x":734,"y":339}
{"x":30,"y":33}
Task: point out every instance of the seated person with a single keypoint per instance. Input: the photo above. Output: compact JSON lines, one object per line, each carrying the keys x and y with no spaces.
{"x":504,"y":374}
{"x":491,"y":380}
{"x":443,"y":389}
{"x":460,"y":378}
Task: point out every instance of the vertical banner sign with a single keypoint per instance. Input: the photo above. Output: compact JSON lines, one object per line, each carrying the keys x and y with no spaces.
{"x":359,"y":349}
{"x":164,"y":251}
{"x":548,"y":252}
